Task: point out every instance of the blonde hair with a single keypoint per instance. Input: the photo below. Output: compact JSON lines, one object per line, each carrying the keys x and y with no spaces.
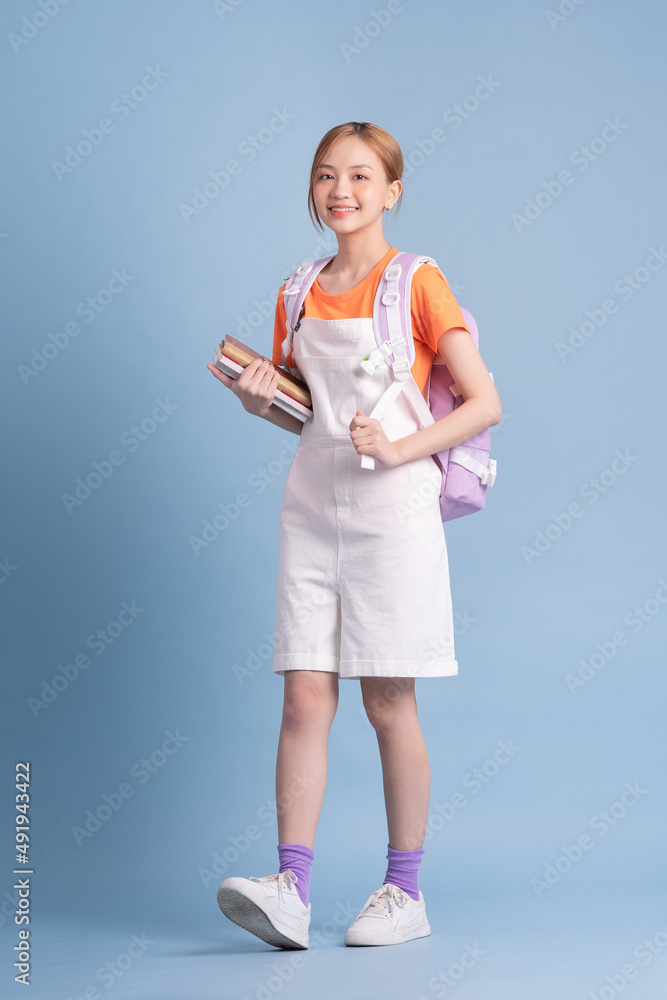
{"x":383,"y":145}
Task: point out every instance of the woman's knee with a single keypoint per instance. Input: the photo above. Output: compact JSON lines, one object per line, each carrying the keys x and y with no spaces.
{"x":310,"y":696}
{"x":386,"y":697}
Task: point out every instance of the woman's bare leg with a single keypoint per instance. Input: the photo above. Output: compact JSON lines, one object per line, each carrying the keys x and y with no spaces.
{"x":391,"y":707}
{"x":309,"y":706}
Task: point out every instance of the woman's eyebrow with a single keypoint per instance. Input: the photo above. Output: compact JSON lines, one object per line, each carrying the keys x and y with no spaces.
{"x":355,"y":167}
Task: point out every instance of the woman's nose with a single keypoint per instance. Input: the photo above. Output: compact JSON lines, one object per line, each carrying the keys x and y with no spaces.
{"x":341,"y":189}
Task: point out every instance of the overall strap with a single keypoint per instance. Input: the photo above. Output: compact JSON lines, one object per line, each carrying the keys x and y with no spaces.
{"x":296,"y":289}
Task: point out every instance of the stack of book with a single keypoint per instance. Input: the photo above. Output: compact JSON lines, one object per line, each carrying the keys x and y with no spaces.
{"x":292,"y":395}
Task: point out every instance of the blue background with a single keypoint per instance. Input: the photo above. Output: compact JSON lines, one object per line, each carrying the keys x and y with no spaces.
{"x":535,"y":600}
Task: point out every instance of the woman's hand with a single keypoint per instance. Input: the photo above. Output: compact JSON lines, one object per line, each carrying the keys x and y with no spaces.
{"x":369,"y":438}
{"x":256,"y":385}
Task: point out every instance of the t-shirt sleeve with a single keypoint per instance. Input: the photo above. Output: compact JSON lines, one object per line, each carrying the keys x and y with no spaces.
{"x":432,"y":306}
{"x":279,"y":327}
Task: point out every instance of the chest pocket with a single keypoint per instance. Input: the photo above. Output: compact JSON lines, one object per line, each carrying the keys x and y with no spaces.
{"x":334,"y":338}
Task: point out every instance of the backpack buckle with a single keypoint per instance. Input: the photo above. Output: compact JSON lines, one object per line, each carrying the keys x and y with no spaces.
{"x":392,"y":272}
{"x":488,"y":477}
{"x":401,"y":368}
{"x":376,"y":357}
{"x":390,"y":298}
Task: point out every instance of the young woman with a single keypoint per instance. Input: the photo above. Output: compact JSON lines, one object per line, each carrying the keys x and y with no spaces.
{"x":363,"y":589}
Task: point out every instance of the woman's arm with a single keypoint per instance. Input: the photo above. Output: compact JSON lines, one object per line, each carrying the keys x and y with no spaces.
{"x":288,"y":422}
{"x":481,"y":407}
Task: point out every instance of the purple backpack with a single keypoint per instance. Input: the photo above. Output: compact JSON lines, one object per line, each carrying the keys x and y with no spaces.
{"x":467,"y":471}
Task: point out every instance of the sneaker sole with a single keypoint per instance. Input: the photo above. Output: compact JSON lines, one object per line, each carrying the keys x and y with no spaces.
{"x":247,"y":914}
{"x":423,"y":931}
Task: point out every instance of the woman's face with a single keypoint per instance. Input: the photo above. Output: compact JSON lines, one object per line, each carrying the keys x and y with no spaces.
{"x":350,"y":188}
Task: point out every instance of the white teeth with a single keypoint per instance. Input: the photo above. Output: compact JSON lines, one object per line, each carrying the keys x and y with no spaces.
{"x":342,"y":209}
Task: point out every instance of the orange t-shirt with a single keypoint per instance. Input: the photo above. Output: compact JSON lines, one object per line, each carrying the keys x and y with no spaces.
{"x":433,"y":309}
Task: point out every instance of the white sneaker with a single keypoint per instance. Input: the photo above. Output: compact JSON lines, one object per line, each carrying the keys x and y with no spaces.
{"x":389,"y":916}
{"x":269,"y":907}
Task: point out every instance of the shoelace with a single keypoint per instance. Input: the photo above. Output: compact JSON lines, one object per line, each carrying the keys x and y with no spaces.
{"x":384,"y":899}
{"x":281,"y":879}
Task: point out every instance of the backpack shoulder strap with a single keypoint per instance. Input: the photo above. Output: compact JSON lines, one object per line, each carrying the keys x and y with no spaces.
{"x":406,"y":318}
{"x":392,"y":320}
{"x":392,"y":326}
{"x":298,"y":285}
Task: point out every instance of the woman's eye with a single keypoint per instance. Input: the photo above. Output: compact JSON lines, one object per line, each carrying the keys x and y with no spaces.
{"x":322,"y":177}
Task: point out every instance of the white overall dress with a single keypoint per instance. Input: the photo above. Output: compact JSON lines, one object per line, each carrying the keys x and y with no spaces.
{"x":363,"y":574}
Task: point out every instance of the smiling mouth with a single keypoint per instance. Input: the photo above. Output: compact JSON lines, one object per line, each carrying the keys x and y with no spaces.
{"x":342,"y":211}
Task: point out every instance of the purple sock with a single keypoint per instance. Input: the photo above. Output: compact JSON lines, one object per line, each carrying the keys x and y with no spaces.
{"x":403,"y":869}
{"x":299,"y":858}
